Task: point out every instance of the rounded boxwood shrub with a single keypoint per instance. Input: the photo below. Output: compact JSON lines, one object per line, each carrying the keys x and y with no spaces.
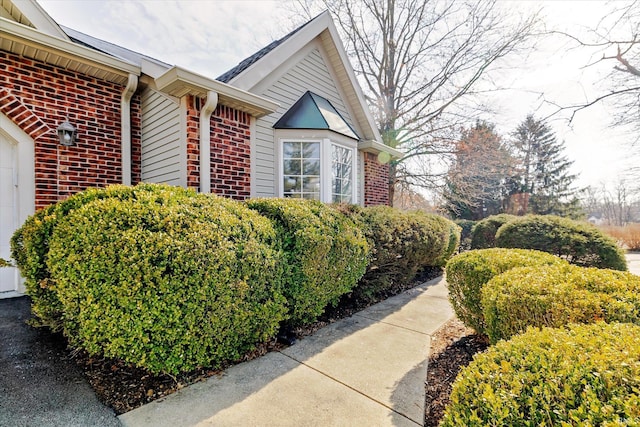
{"x":557,"y":295}
{"x":169,"y":281}
{"x":325,"y":254}
{"x":585,"y":375}
{"x":403,"y":243}
{"x":483,"y":233}
{"x":30,"y":245}
{"x":579,"y":243}
{"x":468,"y":272}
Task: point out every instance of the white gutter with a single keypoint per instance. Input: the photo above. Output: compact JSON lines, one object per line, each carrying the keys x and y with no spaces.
{"x":125,"y":127}
{"x":205,"y":141}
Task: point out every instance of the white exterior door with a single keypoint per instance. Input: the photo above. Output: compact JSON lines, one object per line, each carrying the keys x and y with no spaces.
{"x":17,"y":196}
{"x":8,"y":213}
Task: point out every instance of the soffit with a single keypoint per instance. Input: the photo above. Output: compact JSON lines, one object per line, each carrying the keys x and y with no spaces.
{"x":25,"y":41}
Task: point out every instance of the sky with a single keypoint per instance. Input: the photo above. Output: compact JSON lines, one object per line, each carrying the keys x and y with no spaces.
{"x":211,"y":36}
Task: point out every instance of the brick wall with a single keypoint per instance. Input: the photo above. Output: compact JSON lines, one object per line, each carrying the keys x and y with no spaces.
{"x":230,"y":150}
{"x":376,"y":181}
{"x":230,"y":153}
{"x":50,"y":95}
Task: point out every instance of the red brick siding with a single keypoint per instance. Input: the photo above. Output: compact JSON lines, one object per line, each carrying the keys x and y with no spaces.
{"x":230,"y":153}
{"x":230,"y":150}
{"x":53,"y":94}
{"x":376,"y":181}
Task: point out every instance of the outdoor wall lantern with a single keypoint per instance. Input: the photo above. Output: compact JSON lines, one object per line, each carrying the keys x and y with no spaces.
{"x":67,"y":133}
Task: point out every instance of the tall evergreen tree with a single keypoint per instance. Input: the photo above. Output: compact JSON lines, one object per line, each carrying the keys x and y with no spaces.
{"x":546,"y":185}
{"x":477,"y":181}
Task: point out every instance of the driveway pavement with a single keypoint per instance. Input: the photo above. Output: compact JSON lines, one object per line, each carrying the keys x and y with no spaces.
{"x":39,"y":384}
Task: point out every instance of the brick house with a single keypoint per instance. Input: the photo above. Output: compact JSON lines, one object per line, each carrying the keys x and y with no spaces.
{"x":289,"y":121}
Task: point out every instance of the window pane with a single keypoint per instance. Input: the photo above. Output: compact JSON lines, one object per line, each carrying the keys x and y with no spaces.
{"x":311,"y":150}
{"x":342,"y":168}
{"x":291,"y":150}
{"x":311,"y":196}
{"x":311,"y":185}
{"x":346,"y":187}
{"x":292,"y":184}
{"x":292,"y":167}
{"x":311,"y":167}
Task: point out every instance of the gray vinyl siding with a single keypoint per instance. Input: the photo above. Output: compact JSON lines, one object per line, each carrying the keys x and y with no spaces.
{"x":161,"y":151}
{"x":312,"y":74}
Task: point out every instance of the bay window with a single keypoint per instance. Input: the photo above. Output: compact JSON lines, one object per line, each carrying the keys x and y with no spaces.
{"x":320,"y":169}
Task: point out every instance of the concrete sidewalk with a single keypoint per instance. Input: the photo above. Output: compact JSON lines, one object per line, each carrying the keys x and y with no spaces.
{"x":366,"y":370}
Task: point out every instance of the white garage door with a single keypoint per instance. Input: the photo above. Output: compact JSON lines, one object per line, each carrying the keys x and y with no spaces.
{"x":8,"y":213}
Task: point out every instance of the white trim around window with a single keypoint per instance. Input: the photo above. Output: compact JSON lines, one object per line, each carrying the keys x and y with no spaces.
{"x":296,"y":157}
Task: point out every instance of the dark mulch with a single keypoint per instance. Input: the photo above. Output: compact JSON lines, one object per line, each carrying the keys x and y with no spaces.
{"x":125,"y":387}
{"x":452,"y":348}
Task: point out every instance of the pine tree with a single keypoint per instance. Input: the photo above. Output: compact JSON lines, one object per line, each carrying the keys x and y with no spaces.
{"x":546,"y":185}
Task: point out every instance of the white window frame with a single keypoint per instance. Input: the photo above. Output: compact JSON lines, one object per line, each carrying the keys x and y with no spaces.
{"x":326,"y":139}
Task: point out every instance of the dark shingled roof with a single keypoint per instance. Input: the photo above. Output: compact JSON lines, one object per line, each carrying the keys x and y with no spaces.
{"x":248,"y":62}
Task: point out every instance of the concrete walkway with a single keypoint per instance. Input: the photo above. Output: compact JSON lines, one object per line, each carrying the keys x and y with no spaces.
{"x":633,"y":262}
{"x":366,"y":370}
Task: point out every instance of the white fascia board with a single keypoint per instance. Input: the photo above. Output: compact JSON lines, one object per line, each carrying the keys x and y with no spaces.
{"x":179,"y":82}
{"x":18,"y":33}
{"x":39,"y":18}
{"x":353,"y":81}
{"x":376,"y":147}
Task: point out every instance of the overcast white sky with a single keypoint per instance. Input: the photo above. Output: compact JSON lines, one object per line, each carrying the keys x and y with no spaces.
{"x":211,"y":36}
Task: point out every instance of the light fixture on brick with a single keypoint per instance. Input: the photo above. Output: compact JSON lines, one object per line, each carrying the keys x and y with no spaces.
{"x":67,"y":133}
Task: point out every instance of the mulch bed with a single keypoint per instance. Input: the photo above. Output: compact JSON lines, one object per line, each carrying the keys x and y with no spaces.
{"x":452,"y":348}
{"x":124,"y":387}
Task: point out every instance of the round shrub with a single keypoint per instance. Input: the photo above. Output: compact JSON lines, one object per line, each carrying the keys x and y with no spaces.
{"x":468,"y":272}
{"x":579,"y":243}
{"x":557,"y":295}
{"x":403,"y":243}
{"x":585,"y":375}
{"x":169,"y":281}
{"x":483,"y":234}
{"x":325,"y":254}
{"x":30,"y":245}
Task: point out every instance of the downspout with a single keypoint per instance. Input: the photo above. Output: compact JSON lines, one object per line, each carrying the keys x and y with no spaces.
{"x":125,"y":127}
{"x":205,"y":141}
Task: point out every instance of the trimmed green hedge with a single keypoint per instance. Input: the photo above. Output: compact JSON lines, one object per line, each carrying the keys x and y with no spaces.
{"x":403,"y":243}
{"x":169,"y":280}
{"x":557,"y":295}
{"x":579,"y":243}
{"x":468,"y":272}
{"x":586,"y":375}
{"x":325,"y":254}
{"x":483,"y":234}
{"x":30,"y":245}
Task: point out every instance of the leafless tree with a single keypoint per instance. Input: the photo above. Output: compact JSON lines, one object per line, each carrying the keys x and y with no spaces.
{"x":614,"y":204}
{"x":422,"y":64}
{"x":615,"y":40}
